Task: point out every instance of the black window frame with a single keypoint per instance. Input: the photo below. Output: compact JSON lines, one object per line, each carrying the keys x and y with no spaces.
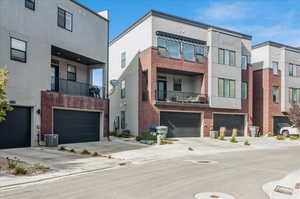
{"x":30,"y":2}
{"x":74,"y":74}
{"x":65,"y":18}
{"x":11,"y":49}
{"x":123,"y":119}
{"x":177,"y":84}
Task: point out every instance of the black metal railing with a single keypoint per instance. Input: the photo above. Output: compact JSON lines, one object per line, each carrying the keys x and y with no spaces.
{"x":76,"y":88}
{"x":181,"y":97}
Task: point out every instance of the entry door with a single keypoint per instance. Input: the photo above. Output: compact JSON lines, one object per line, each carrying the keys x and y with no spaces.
{"x":54,"y":75}
{"x":161,"y":90}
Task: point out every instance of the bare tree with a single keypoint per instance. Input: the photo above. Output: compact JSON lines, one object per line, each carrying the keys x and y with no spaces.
{"x":294,"y":114}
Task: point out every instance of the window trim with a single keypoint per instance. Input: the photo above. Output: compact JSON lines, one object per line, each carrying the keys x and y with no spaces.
{"x":277,"y":72}
{"x":25,"y":52}
{"x":224,"y":52}
{"x":230,"y":95}
{"x":74,"y":73}
{"x":30,"y":1}
{"x":65,"y":19}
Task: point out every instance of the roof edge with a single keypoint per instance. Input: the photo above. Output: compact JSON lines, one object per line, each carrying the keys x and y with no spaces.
{"x":274,"y":44}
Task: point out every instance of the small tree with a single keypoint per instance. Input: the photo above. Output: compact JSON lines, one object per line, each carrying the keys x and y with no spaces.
{"x":4,"y":104}
{"x":294,"y":114}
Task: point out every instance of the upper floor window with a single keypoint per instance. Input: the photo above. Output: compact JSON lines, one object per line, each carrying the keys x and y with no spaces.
{"x":30,"y":4}
{"x":294,"y":95}
{"x":71,"y":73}
{"x":244,"y":90}
{"x":294,"y":70}
{"x":192,"y":52}
{"x":226,"y":88}
{"x":177,"y":84}
{"x":226,"y":57}
{"x":169,"y":48}
{"x":245,"y":61}
{"x":123,"y":89}
{"x":275,"y":67}
{"x":123,"y":120}
{"x":275,"y":94}
{"x":65,"y":19}
{"x":123,"y":59}
{"x":18,"y":50}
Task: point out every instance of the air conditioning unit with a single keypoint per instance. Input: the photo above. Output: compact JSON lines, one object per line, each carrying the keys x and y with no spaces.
{"x":51,"y":140}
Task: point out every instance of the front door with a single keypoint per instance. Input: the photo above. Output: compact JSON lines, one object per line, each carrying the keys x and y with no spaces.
{"x":54,"y":75}
{"x":161,"y":90}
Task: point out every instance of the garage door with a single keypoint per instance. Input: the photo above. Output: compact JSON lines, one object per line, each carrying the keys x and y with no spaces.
{"x":181,"y":124}
{"x":230,"y":122}
{"x":279,"y":122}
{"x":15,"y":131}
{"x":76,"y":126}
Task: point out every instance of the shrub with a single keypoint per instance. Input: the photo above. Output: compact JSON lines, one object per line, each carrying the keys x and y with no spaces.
{"x":149,"y":136}
{"x":62,"y":148}
{"x":222,"y":138}
{"x":20,"y":171}
{"x":113,"y":133}
{"x":270,"y":134}
{"x":95,"y":154}
{"x":293,"y":138}
{"x":162,"y":142}
{"x":72,"y":151}
{"x":85,"y":152}
{"x":190,"y":149}
{"x":247,"y":143}
{"x":11,"y":163}
{"x":280,"y":137}
{"x":138,"y":138}
{"x":233,"y":139}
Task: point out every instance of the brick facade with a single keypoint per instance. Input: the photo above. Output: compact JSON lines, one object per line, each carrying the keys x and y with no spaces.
{"x":49,"y":100}
{"x":149,"y":113}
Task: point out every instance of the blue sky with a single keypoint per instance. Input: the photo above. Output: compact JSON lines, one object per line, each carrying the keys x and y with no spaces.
{"x":275,"y":20}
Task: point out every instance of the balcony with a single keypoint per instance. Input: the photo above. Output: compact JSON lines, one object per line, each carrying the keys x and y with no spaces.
{"x":181,"y":98}
{"x":76,"y":88}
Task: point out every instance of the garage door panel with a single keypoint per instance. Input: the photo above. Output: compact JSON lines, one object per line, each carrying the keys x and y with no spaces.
{"x":230,"y":122}
{"x":76,"y":126}
{"x":15,"y":131}
{"x":181,"y":124}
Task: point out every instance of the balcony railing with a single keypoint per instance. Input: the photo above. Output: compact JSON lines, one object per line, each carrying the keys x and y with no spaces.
{"x":181,"y":97}
{"x":76,"y":88}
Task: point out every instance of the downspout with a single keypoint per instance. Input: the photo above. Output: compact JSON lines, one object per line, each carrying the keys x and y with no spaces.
{"x":107,"y":78}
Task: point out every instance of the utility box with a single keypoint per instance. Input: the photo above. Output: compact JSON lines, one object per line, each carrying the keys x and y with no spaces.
{"x":163,"y":131}
{"x":51,"y":140}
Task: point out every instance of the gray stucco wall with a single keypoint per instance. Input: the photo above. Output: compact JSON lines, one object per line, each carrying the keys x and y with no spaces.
{"x":39,"y":29}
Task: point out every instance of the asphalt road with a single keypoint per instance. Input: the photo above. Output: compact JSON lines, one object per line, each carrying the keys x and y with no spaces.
{"x":240,"y":174}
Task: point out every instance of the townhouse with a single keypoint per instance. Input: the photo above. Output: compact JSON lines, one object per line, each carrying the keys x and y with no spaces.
{"x":189,"y":76}
{"x":56,"y":53}
{"x":276,"y":84}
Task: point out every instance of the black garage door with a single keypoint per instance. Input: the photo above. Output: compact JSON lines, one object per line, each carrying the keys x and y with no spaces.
{"x":76,"y":126}
{"x":279,"y":122}
{"x":15,"y":130}
{"x":230,"y":122}
{"x":181,"y":124}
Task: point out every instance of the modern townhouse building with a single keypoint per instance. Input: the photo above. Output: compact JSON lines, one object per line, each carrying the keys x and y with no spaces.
{"x":276,"y":84}
{"x":52,"y":50}
{"x":189,"y":76}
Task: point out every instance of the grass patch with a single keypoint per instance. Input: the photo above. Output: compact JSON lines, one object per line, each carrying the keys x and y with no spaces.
{"x":12,"y":163}
{"x":280,"y":137}
{"x":222,"y":138}
{"x":190,"y":149}
{"x":294,"y":138}
{"x":72,"y":151}
{"x":233,"y":139}
{"x":40,"y":167}
{"x":247,"y":143}
{"x":20,"y":171}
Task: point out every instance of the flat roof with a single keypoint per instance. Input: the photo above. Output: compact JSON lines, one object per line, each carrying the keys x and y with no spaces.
{"x":275,"y":44}
{"x":178,"y":19}
{"x":88,"y":9}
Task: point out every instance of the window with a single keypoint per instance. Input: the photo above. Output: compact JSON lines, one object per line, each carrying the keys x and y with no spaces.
{"x":123,"y":120}
{"x":177,"y":85}
{"x":30,"y":4}
{"x":245,"y":62}
{"x":244,"y":90}
{"x":294,"y":70}
{"x":275,"y":94}
{"x":294,"y":95}
{"x":170,"y":48}
{"x":123,"y":59}
{"x":291,"y":70}
{"x":226,"y":88}
{"x":123,"y":89}
{"x":65,"y":19}
{"x":18,"y":50}
{"x":275,"y":67}
{"x":71,"y":73}
{"x":226,"y":57}
{"x":188,"y":52}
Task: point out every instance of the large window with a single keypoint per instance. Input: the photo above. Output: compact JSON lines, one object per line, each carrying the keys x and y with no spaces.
{"x":71,"y":73}
{"x":177,"y":84}
{"x":123,"y":89}
{"x":294,"y":70}
{"x":226,"y":88}
{"x":245,"y":61}
{"x":244,"y":90}
{"x":123,"y":59}
{"x":192,"y":52}
{"x":170,"y":48}
{"x":275,"y":67}
{"x":18,"y":50}
{"x":294,"y":95}
{"x":123,"y":120}
{"x":30,"y":4}
{"x":226,"y":57}
{"x":65,"y":19}
{"x":275,"y":94}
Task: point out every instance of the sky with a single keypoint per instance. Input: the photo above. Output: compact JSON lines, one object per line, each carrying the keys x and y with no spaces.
{"x":275,"y":20}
